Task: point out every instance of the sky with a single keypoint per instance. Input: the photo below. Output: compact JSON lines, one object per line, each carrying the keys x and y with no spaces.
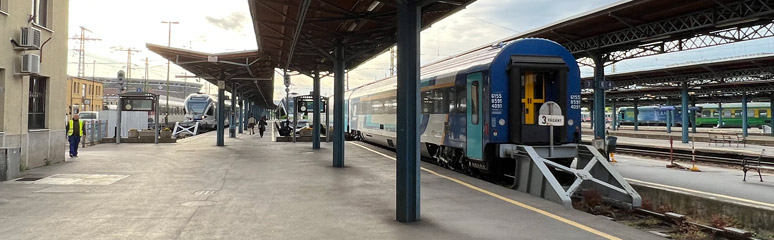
{"x":225,"y":25}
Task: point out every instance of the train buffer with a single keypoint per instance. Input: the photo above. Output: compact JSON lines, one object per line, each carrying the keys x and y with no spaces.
{"x":191,"y":128}
{"x":542,"y":176}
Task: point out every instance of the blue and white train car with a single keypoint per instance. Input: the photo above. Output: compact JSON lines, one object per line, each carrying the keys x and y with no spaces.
{"x":470,"y":107}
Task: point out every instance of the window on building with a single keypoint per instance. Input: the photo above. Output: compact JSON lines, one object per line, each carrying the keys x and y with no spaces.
{"x":37,"y":105}
{"x":4,"y":6}
{"x":40,"y":11}
{"x":83,"y":90}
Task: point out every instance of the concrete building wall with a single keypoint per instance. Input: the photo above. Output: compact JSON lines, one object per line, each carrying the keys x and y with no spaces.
{"x":46,"y":144}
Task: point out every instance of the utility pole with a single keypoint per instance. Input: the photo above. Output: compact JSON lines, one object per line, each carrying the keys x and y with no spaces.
{"x":82,"y":50}
{"x":145,"y":81}
{"x":393,"y":55}
{"x":169,"y":44}
{"x":93,"y":84}
{"x":129,"y":52}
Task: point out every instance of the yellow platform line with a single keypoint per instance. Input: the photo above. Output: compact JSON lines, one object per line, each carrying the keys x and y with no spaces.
{"x":508,"y":200}
{"x":703,"y":193}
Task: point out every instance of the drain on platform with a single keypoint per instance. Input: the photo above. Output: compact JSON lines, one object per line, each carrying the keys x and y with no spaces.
{"x":28,"y":179}
{"x":198,"y":203}
{"x":204,"y":192}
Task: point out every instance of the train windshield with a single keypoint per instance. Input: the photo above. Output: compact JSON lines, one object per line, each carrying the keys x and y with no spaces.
{"x":197,"y":107}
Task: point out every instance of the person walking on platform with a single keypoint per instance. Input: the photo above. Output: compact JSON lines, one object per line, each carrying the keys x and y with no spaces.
{"x":251,"y":124}
{"x":74,"y":133}
{"x":262,"y":125}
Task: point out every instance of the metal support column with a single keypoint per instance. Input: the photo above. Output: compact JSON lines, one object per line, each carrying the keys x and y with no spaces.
{"x":684,"y":112}
{"x":338,"y":107}
{"x":636,"y":115}
{"x":744,"y":115}
{"x":408,"y":194}
{"x":599,"y":97}
{"x":231,"y":122}
{"x":669,"y":116}
{"x":770,"y":115}
{"x":693,"y":114}
{"x":221,"y":116}
{"x":591,"y":115}
{"x":720,"y":115}
{"x":614,"y":114}
{"x":241,"y":116}
{"x":316,"y":110}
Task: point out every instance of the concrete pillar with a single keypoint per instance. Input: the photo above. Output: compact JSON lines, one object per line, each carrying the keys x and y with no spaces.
{"x":408,"y":194}
{"x":599,"y":97}
{"x":684,"y":112}
{"x":744,"y":115}
{"x":316,"y":111}
{"x":221,"y":115}
{"x":338,"y":109}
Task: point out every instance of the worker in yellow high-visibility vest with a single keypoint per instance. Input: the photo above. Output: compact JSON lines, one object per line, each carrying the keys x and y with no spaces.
{"x":74,"y":134}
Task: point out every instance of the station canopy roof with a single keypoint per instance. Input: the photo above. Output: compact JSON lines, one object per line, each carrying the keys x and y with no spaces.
{"x":637,"y":28}
{"x":713,"y":81}
{"x":300,"y":35}
{"x":252,"y":71}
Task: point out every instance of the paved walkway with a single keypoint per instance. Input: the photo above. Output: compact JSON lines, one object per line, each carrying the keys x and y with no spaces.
{"x":256,"y":189}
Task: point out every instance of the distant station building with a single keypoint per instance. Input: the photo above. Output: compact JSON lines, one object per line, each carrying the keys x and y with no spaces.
{"x":83,"y":95}
{"x":33,"y":87}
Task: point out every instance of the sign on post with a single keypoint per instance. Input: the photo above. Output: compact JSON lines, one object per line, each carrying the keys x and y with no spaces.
{"x":550,"y":115}
{"x":221,"y":84}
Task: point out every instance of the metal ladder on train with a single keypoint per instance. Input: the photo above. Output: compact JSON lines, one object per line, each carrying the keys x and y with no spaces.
{"x":535,"y":174}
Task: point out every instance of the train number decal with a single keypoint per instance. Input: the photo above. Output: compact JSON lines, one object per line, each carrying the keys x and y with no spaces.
{"x":497,"y":102}
{"x":575,"y":101}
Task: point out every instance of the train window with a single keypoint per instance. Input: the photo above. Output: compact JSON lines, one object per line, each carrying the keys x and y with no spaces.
{"x":474,"y":103}
{"x":452,"y":96}
{"x":439,"y":102}
{"x":461,"y":106}
{"x":750,"y":113}
{"x":763,"y":113}
{"x":726,"y":113}
{"x":427,"y":102}
{"x":210,"y":112}
{"x":706,"y":113}
{"x":737,"y":113}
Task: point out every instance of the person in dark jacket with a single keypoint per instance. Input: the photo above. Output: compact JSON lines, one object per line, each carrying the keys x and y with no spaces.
{"x":262,"y":125}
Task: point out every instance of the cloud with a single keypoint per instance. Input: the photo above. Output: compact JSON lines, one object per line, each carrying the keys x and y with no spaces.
{"x":232,"y":22}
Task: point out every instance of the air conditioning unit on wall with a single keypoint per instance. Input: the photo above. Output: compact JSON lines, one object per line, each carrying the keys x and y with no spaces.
{"x":30,"y":63}
{"x":29,"y":37}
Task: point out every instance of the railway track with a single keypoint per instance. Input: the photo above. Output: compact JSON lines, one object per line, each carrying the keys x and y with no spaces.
{"x":685,"y":155}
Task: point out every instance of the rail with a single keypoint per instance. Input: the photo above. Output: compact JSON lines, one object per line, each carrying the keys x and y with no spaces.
{"x":720,"y":158}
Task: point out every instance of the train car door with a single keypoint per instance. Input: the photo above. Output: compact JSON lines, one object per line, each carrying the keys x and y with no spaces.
{"x":474,"y":122}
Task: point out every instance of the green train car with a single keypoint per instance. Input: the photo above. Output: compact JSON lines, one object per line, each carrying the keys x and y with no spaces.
{"x":757,"y":114}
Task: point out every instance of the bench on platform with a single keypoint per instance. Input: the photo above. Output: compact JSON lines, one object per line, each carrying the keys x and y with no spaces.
{"x":754,"y":163}
{"x":723,"y":138}
{"x":716,"y":138}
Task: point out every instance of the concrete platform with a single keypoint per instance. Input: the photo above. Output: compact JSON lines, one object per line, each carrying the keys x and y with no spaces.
{"x":712,"y":191}
{"x":254,"y":188}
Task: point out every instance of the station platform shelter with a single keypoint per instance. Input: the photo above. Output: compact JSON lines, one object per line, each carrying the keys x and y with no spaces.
{"x":255,"y":188}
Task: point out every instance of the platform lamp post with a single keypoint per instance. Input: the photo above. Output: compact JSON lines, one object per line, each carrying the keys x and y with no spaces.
{"x":169,"y":44}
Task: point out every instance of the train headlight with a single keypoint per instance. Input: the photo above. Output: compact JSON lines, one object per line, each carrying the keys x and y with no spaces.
{"x":501,"y":122}
{"x":570,"y":122}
